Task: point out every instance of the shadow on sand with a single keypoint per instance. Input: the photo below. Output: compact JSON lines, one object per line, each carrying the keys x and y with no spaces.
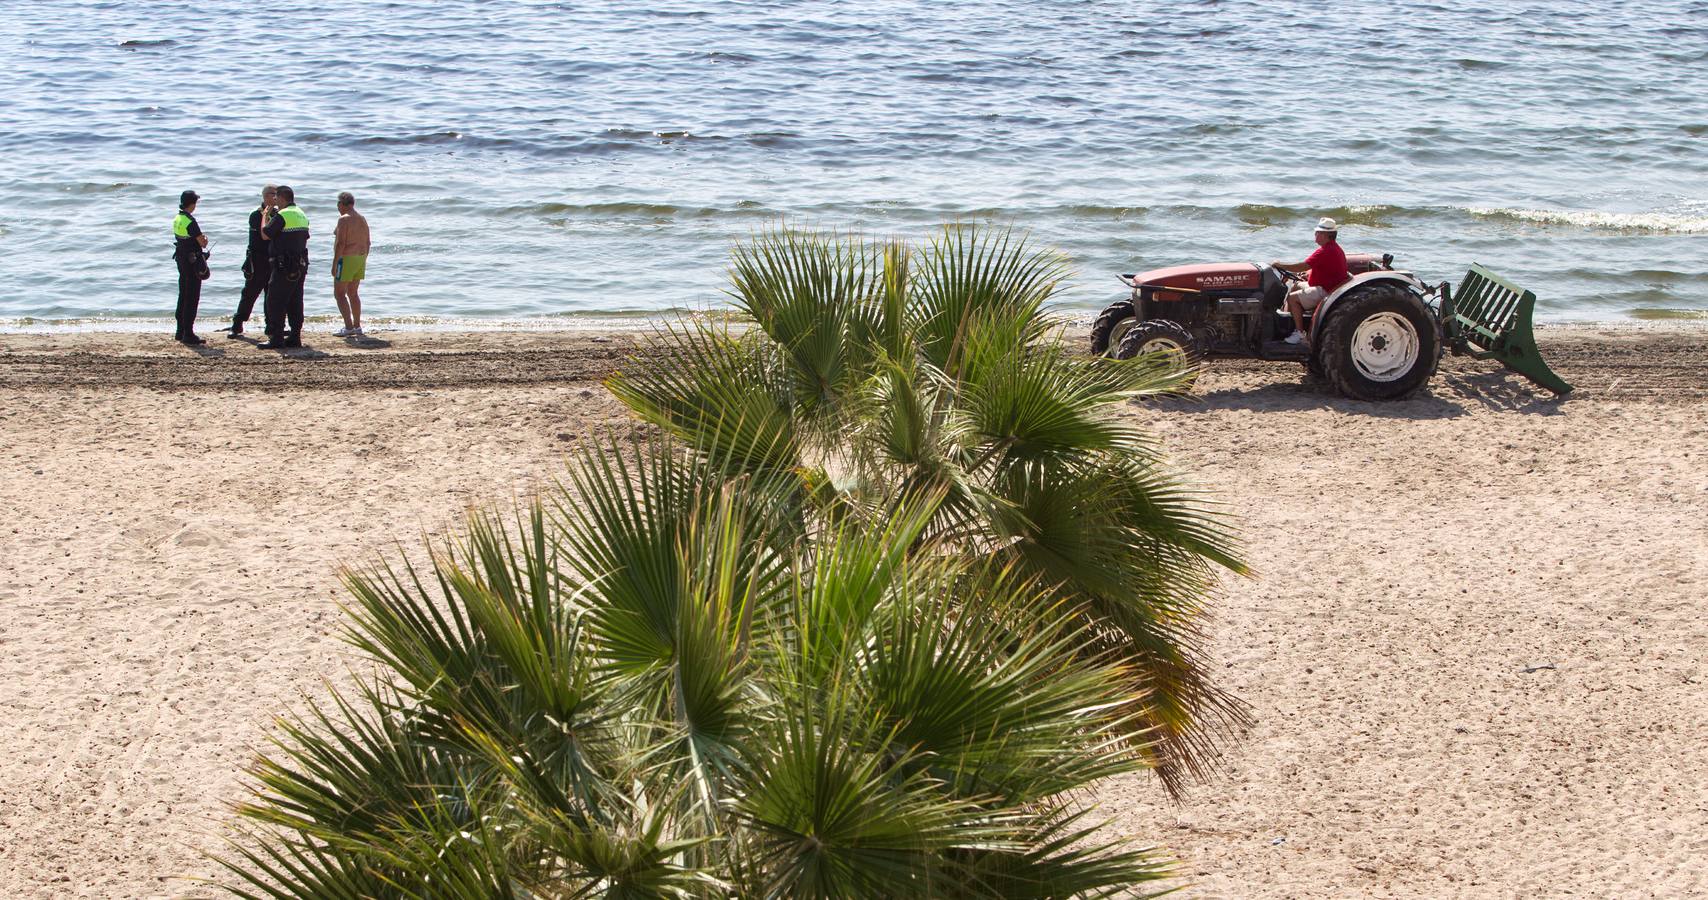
{"x":1501,"y":390}
{"x":368,"y":343}
{"x":305,"y":351}
{"x":1447,"y":396}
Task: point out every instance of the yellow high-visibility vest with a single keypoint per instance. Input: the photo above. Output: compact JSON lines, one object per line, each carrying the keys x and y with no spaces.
{"x":295,"y":219}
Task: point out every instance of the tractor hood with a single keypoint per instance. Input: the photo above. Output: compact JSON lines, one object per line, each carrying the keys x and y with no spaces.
{"x":1206,"y":277}
{"x":1232,"y":276}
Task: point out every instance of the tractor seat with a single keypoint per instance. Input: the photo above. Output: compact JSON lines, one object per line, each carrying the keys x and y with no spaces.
{"x":1359,"y":263}
{"x":1274,"y":287}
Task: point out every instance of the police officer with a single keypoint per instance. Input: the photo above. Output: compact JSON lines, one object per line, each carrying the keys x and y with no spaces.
{"x":189,"y":249}
{"x":286,"y":234}
{"x":257,"y":265}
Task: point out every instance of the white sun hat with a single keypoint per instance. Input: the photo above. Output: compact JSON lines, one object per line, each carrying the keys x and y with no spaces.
{"x":1326,"y":224}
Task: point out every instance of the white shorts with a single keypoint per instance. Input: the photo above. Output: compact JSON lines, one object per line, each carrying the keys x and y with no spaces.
{"x":1309,"y":297}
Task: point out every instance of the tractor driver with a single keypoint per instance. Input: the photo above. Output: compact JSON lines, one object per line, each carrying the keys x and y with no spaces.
{"x":1327,"y":267}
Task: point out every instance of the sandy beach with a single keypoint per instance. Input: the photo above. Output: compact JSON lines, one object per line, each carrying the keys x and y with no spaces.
{"x":1474,"y":645}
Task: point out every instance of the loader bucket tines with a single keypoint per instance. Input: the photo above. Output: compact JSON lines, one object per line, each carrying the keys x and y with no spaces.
{"x":1488,"y":317}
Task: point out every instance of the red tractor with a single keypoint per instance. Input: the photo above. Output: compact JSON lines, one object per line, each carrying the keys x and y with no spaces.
{"x":1376,"y":337}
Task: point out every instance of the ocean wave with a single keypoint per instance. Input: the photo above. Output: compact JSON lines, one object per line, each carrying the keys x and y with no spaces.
{"x":1645,"y":276}
{"x":551,"y":146}
{"x":637,"y":209}
{"x":1664,"y":314}
{"x":102,"y":187}
{"x":431,"y":137}
{"x":1379,"y":215}
{"x":1383,"y":215}
{"x":1669,"y":223}
{"x":1255,"y":216}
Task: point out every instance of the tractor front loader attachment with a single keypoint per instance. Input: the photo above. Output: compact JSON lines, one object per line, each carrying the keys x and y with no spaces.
{"x":1488,"y":317}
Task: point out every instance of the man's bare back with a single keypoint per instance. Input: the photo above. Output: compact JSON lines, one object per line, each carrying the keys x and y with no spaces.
{"x":351,"y":236}
{"x":350,"y":245}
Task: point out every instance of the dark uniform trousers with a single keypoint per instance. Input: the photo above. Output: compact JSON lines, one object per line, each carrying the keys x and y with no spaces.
{"x":189,"y":289}
{"x":284,"y":299}
{"x":255,"y":277}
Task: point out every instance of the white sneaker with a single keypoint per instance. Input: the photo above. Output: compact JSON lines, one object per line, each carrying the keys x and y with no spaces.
{"x":342,"y":332}
{"x":357,"y":332}
{"x":1297,"y":337}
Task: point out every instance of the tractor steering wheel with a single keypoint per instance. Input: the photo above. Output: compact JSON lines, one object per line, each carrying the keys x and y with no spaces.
{"x":1286,"y":275}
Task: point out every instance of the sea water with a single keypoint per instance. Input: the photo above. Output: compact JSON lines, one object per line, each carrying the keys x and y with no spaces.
{"x":549,"y":161}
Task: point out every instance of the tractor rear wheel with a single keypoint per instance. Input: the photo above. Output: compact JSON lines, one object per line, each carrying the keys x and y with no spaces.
{"x":1380,"y":343}
{"x":1160,"y":336}
{"x":1111,"y":325}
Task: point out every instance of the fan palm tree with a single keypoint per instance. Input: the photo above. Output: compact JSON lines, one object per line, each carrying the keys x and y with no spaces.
{"x":891,"y":597}
{"x":667,"y":681}
{"x":870,"y":371}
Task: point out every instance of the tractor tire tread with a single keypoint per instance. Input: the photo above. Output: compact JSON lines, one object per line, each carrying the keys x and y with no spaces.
{"x":1153,"y":329}
{"x":1111,"y":316}
{"x":1334,"y":358}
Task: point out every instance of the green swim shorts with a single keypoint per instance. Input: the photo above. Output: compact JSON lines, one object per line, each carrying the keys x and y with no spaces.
{"x":351,"y":268}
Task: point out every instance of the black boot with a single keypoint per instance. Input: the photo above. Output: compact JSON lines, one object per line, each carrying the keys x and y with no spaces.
{"x":274,"y":342}
{"x":236,"y":327}
{"x":293,"y":340}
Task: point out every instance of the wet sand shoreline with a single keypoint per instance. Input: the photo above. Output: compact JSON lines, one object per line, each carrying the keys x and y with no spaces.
{"x":1662,"y":361}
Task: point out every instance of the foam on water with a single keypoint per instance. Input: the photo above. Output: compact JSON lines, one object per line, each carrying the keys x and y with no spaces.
{"x":525,"y":162}
{"x":1649,"y":221}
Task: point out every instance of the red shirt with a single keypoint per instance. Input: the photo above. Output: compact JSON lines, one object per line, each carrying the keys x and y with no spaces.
{"x":1328,"y":267}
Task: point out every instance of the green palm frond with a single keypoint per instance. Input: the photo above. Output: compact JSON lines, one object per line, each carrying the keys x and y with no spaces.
{"x":720,"y":393}
{"x":893,"y":332}
{"x":677,"y":563}
{"x":979,"y":677}
{"x":630,"y":851}
{"x":706,"y":692}
{"x":268,"y":867}
{"x":521,"y":602}
{"x":625,"y":525}
{"x":905,"y":417}
{"x":1036,"y":401}
{"x":1061,"y":856}
{"x":1134,"y":547}
{"x":815,"y":297}
{"x":638,"y":862}
{"x":350,"y":773}
{"x":853,"y":571}
{"x":1028,"y":406}
{"x":358,"y":796}
{"x":911,"y":442}
{"x":828,"y":817}
{"x":449,"y":677}
{"x":969,"y":275}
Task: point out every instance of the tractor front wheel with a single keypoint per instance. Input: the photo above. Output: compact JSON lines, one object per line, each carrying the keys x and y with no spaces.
{"x":1380,"y":343}
{"x":1160,"y":336}
{"x":1111,"y":326}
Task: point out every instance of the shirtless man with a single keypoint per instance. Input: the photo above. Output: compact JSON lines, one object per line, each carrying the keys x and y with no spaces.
{"x":350,"y":244}
{"x":1327,"y":265}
